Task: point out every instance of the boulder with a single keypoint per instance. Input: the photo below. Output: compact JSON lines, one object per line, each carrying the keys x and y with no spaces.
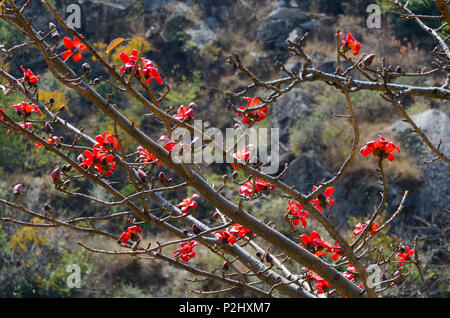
{"x":286,"y":111}
{"x":433,"y":189}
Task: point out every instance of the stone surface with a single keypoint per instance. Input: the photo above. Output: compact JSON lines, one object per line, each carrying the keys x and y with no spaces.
{"x":432,"y":192}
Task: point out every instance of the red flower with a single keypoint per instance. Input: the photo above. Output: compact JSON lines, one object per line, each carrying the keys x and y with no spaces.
{"x":107,"y":142}
{"x":71,"y":44}
{"x":49,"y":140}
{"x":185,"y":112}
{"x":315,"y":244}
{"x":186,"y":251}
{"x":188,"y":204}
{"x":350,"y":44}
{"x":29,"y":77}
{"x":23,"y":125}
{"x":321,"y":285}
{"x":380,"y":148}
{"x":253,"y":116}
{"x":406,"y":255}
{"x":260,"y":185}
{"x":103,"y":162}
{"x":238,"y":229}
{"x":297,"y":214}
{"x":169,"y":145}
{"x":3,"y":110}
{"x":150,"y":70}
{"x":132,"y":233}
{"x":360,"y":227}
{"x":244,"y":154}
{"x":27,"y":108}
{"x":323,"y":199}
{"x":129,"y":60}
{"x":145,"y":156}
{"x":351,"y":272}
{"x":224,"y":237}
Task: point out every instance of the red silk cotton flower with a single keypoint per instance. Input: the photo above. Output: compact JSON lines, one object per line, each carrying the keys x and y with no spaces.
{"x":26,"y":108}
{"x":131,"y":233}
{"x":238,"y":229}
{"x":250,"y":117}
{"x":296,"y":213}
{"x":185,"y":112}
{"x":360,"y":227}
{"x":71,"y":45}
{"x":260,"y":185}
{"x":107,"y":142}
{"x":406,"y":255}
{"x":380,"y":148}
{"x":244,"y":154}
{"x":49,"y":140}
{"x":145,"y":156}
{"x":29,"y":77}
{"x":169,"y":144}
{"x":350,"y":44}
{"x":188,"y":204}
{"x":104,"y":163}
{"x":149,"y":69}
{"x":323,"y":200}
{"x":3,"y":110}
{"x":186,"y":252}
{"x":225,"y":237}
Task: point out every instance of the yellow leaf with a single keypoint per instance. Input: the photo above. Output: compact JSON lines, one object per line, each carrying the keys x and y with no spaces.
{"x":1,"y":6}
{"x":113,"y":44}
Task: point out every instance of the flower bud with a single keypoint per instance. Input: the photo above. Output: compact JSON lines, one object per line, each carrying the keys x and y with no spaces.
{"x":48,"y":127}
{"x":52,"y":26}
{"x":142,"y":175}
{"x":47,"y":207}
{"x":66,"y":168}
{"x":56,"y":176}
{"x":196,"y":229}
{"x":19,"y":112}
{"x":216,"y":215}
{"x":17,"y":190}
{"x":368,"y":59}
{"x":225,"y":266}
{"x":66,"y":184}
{"x":80,"y":158}
{"x":398,"y":69}
{"x":61,"y":139}
{"x":169,"y":181}
{"x":86,"y":69}
{"x":61,"y":109}
{"x":268,"y":257}
{"x":55,"y":36}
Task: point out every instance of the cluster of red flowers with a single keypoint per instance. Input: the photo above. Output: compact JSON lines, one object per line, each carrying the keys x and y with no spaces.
{"x":188,"y":204}
{"x":148,"y":67}
{"x":380,"y":148}
{"x":250,"y":117}
{"x":131,"y":234}
{"x":72,"y":46}
{"x":107,"y":142}
{"x":350,"y":44}
{"x":260,"y":185}
{"x":406,"y":255}
{"x":296,"y":213}
{"x":360,"y":227}
{"x":228,"y":236}
{"x":323,"y":200}
{"x":100,"y":155}
{"x":315,"y":244}
{"x":186,"y":252}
